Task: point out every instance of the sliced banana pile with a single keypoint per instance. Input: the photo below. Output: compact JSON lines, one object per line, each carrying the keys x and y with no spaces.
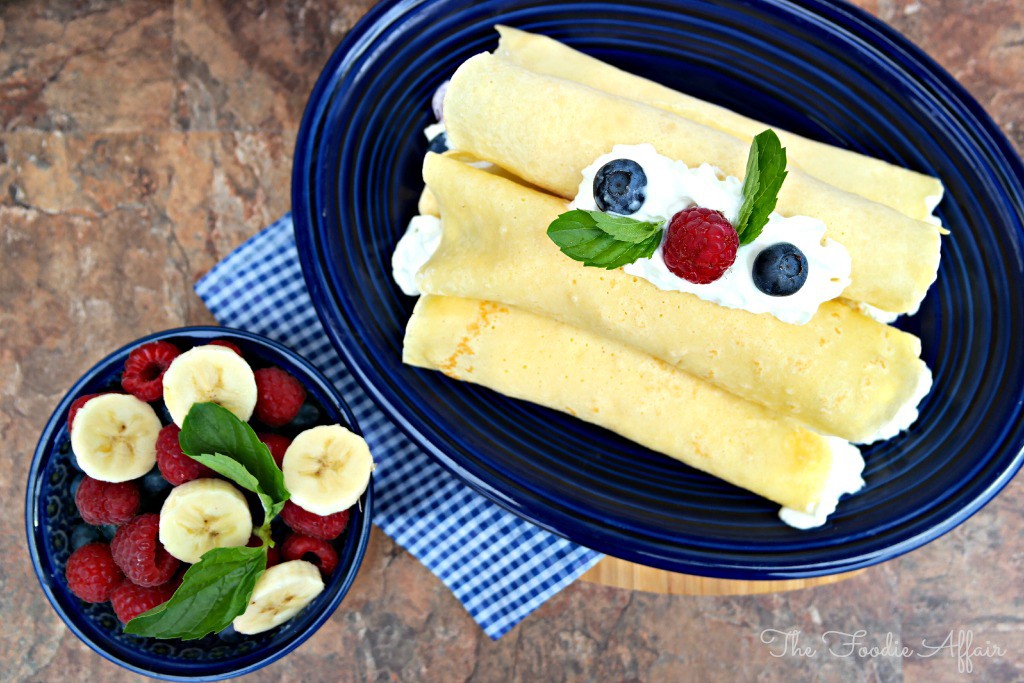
{"x":114,"y":437}
{"x":201,"y":515}
{"x":214,"y":374}
{"x":326,"y":469}
{"x":280,"y":593}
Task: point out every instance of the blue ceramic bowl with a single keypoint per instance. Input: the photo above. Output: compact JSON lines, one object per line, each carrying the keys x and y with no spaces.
{"x":50,"y":517}
{"x":823,"y":69}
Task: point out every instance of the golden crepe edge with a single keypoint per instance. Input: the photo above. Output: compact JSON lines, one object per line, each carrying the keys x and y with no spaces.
{"x":841,"y":374}
{"x":911,"y":193}
{"x":612,"y":385}
{"x":494,"y":110}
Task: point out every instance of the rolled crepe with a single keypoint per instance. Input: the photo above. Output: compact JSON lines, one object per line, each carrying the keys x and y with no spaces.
{"x":610,"y":384}
{"x":911,"y":193}
{"x":547,"y":130}
{"x":842,"y":373}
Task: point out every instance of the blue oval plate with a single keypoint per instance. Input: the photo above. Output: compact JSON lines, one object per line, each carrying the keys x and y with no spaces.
{"x":827,"y":71}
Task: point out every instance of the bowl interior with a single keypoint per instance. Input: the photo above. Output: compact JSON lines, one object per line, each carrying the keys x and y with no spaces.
{"x":52,"y":515}
{"x":822,"y":70}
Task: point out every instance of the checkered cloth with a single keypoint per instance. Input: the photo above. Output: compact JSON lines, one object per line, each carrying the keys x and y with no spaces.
{"x":499,"y":566}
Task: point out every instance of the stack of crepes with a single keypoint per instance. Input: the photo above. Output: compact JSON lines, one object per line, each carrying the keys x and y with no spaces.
{"x":769,"y":406}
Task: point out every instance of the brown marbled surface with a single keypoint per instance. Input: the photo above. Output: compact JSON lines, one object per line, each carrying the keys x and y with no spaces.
{"x":141,"y":141}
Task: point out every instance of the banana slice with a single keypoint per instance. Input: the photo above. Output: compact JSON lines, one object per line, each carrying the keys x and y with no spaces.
{"x":203,"y":514}
{"x":213,"y":374}
{"x":114,"y":437}
{"x":280,"y":593}
{"x":326,"y":469}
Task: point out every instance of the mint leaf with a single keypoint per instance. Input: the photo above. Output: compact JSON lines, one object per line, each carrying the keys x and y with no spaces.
{"x":602,"y":240}
{"x":766,"y":169}
{"x":626,"y":229}
{"x":208,"y":428}
{"x":214,"y":591}
{"x":233,"y":470}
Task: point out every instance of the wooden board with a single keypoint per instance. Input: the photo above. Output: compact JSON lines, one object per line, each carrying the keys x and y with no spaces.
{"x":621,"y":574}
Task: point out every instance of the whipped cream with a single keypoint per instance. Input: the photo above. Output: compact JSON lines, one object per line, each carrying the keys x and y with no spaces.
{"x":844,"y":477}
{"x":673,"y":186}
{"x":931,"y":202}
{"x":877,"y":314}
{"x":418,"y":244}
{"x":908,"y":412}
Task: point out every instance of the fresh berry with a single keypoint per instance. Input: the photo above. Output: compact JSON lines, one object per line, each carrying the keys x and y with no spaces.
{"x":130,"y":600}
{"x":277,"y":444}
{"x":309,"y":416}
{"x":273,"y":554}
{"x":620,"y":186}
{"x":75,"y":484}
{"x":137,"y":550}
{"x":154,"y":485}
{"x":279,"y":396}
{"x":315,"y":550}
{"x":92,"y":574}
{"x":226,"y":344}
{"x":144,"y":370}
{"x":439,"y":143}
{"x":177,"y":467}
{"x":304,"y":522}
{"x":700,"y":246}
{"x":76,"y":405}
{"x":84,"y":534}
{"x":230,"y":635}
{"x":103,"y":502}
{"x":780,"y":270}
{"x":108,"y":531}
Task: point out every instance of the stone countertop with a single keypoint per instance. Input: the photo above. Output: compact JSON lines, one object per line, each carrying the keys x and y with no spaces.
{"x":141,"y":141}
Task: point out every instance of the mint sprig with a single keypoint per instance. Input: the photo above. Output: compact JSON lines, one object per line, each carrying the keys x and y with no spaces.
{"x":214,"y":591}
{"x":603,"y":240}
{"x":766,"y":169}
{"x":217,"y":589}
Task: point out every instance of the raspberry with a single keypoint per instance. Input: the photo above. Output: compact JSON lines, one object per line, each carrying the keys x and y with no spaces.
{"x":277,"y":444}
{"x":700,"y":246}
{"x":103,"y":502}
{"x":226,"y":344}
{"x":273,"y":554}
{"x":299,"y":547}
{"x":144,"y":370}
{"x":279,"y":396}
{"x":304,"y":522}
{"x":177,"y":467}
{"x":130,"y":601}
{"x":92,"y":574}
{"x":77,"y":404}
{"x":137,"y":550}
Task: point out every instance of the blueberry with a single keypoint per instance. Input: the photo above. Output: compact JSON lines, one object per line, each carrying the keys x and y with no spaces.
{"x":154,"y":484}
{"x":307,"y":417}
{"x":780,"y":270}
{"x":620,"y":186}
{"x":74,"y":461}
{"x":75,"y":483}
{"x":439,"y":143}
{"x":108,"y":531}
{"x":83,"y":534}
{"x":230,"y":635}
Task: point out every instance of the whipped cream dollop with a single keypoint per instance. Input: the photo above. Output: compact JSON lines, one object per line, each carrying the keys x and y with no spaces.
{"x":417,"y":245}
{"x":908,"y":412}
{"x":844,"y":478}
{"x":673,"y":186}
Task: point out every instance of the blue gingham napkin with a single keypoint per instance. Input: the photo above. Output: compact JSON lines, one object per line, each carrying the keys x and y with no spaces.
{"x":500,"y":567}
